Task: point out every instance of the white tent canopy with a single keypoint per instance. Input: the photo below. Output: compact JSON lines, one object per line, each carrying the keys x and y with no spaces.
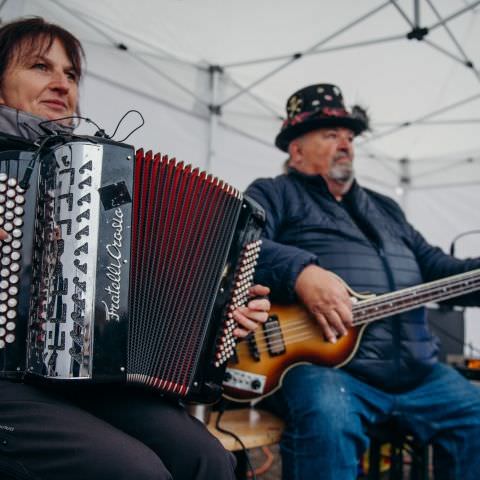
{"x":211,"y":78}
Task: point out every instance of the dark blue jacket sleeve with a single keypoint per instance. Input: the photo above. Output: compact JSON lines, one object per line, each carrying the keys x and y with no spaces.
{"x":279,"y":264}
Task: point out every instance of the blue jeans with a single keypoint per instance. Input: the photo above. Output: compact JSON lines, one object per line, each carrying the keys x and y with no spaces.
{"x":327,"y":412}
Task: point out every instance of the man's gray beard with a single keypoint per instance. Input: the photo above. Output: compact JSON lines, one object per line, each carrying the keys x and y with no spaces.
{"x":341,"y":172}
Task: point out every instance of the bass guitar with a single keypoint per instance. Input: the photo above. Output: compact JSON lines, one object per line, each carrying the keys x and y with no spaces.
{"x":291,"y":336}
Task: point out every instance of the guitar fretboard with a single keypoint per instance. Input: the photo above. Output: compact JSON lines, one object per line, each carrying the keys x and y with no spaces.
{"x":375,"y":308}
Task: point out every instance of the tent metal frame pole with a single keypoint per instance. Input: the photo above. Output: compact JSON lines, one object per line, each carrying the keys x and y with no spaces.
{"x":447,"y":53}
{"x":420,"y":33}
{"x":335,"y":48}
{"x":297,"y":56}
{"x":405,"y":181}
{"x":467,"y":62}
{"x":402,"y":13}
{"x":3,"y":4}
{"x":416,"y":13}
{"x":457,"y":121}
{"x":419,"y":120}
{"x":144,"y":62}
{"x":169,"y":79}
{"x":123,"y":33}
{"x":446,"y":185}
{"x":255,"y":97}
{"x":148,"y":96}
{"x":454,"y":164}
{"x":214,"y":112}
{"x":453,"y":15}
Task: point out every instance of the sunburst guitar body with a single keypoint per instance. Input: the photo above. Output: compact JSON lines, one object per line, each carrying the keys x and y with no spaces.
{"x":291,"y":336}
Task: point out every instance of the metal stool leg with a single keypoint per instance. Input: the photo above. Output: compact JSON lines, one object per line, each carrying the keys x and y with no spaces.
{"x":374,"y":459}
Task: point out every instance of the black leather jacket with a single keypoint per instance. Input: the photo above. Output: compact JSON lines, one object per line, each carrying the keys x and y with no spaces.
{"x":367,"y":241}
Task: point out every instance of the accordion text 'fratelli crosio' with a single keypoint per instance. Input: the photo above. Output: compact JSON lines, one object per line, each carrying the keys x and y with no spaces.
{"x":122,"y":266}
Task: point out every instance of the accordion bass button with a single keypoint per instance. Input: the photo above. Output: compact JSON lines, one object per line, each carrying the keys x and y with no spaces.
{"x":20,"y":199}
{"x":13,"y":290}
{"x":10,"y":338}
{"x":12,"y":302}
{"x":15,"y":267}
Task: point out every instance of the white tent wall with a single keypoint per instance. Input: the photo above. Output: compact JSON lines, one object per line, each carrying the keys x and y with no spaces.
{"x":164,"y":75}
{"x":442,"y":214}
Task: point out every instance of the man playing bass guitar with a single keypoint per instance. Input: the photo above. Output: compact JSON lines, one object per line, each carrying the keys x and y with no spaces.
{"x":320,"y":220}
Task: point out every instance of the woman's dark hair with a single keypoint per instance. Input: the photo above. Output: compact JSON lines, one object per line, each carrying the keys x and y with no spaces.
{"x":32,"y":36}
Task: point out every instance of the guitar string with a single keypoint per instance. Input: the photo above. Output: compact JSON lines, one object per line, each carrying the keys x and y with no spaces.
{"x":366,"y":310}
{"x":287,"y":338}
{"x":452,"y":280}
{"x":305,"y":333}
{"x":363,"y":309}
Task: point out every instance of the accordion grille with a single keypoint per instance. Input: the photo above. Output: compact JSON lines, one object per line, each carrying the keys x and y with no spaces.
{"x":183,"y":222}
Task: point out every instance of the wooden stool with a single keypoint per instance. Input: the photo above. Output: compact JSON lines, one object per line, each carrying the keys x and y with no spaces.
{"x":255,"y":428}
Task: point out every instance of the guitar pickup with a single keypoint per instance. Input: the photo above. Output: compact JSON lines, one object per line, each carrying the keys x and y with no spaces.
{"x":253,"y":347}
{"x":273,"y":336}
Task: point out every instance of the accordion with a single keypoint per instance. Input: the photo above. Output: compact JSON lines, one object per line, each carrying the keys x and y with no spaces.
{"x":121,"y":266}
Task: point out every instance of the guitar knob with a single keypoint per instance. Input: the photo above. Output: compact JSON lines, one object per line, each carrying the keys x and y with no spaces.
{"x":256,"y":384}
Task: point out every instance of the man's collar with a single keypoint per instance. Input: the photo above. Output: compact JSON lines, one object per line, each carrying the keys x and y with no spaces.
{"x":319,"y":182}
{"x":27,"y":126}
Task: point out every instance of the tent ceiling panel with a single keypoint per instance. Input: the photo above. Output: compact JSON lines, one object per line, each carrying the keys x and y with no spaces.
{"x":399,"y":80}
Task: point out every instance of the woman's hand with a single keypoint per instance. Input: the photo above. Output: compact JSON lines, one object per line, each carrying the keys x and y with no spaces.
{"x":3,"y":234}
{"x":255,"y":313}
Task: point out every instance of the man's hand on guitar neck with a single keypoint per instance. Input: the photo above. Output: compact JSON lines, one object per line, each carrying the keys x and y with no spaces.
{"x":327,"y":299}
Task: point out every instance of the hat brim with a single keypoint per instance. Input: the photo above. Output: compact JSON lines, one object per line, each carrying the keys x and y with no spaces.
{"x":292,"y":132}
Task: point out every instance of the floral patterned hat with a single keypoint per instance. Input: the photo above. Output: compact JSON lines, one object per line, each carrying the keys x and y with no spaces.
{"x":318,"y":106}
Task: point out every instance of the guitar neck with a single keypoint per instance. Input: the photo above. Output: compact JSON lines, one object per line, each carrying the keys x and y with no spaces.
{"x":382,"y":306}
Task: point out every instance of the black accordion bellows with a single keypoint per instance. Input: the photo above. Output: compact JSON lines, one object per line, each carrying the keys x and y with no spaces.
{"x":135,"y":265}
{"x":184,"y":223}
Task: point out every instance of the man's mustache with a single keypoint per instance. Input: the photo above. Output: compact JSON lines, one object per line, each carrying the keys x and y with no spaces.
{"x":340,"y":156}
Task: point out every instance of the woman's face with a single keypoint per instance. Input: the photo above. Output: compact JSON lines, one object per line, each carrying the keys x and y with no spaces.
{"x":42,"y":84}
